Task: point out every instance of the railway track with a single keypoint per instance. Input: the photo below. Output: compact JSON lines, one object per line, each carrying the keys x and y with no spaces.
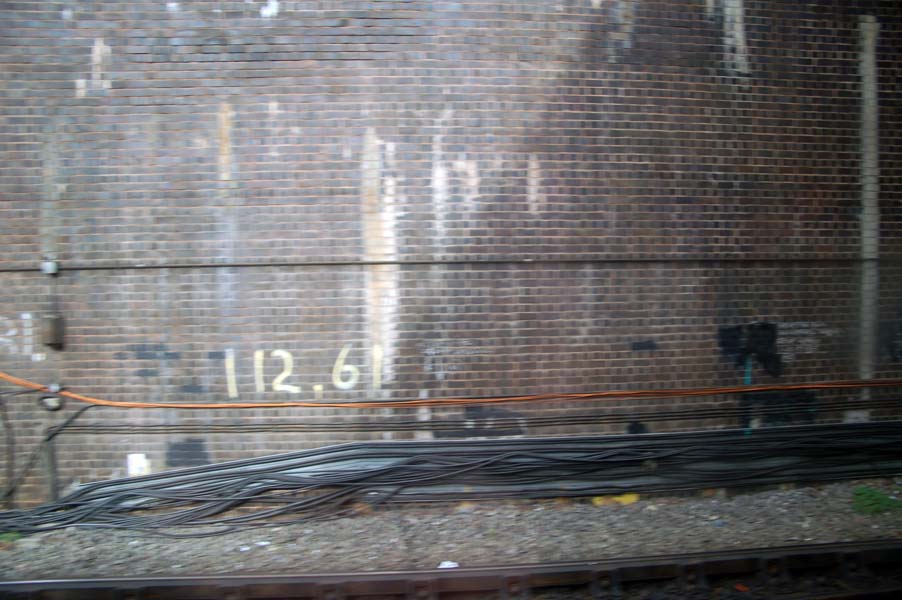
{"x":843,"y":571}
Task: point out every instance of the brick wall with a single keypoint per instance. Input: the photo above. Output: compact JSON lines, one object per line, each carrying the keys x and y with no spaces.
{"x":472,"y":198}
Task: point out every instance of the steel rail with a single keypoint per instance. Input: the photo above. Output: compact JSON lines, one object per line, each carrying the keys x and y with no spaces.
{"x":771,"y":568}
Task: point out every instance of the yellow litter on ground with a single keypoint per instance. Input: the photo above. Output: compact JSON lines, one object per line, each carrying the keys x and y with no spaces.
{"x":623,"y":499}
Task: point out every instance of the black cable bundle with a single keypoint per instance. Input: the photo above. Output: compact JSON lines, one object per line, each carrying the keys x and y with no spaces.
{"x":333,"y":481}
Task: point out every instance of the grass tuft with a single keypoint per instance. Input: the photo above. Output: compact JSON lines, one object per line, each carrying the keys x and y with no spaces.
{"x":869,"y":501}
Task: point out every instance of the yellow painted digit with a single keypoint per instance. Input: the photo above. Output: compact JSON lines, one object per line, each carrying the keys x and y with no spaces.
{"x":258,"y":371}
{"x":340,"y":368}
{"x":377,"y":366}
{"x":287,"y":367}
{"x":231,"y":379}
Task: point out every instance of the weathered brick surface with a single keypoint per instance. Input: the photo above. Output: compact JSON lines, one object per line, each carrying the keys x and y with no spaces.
{"x":667,"y":169}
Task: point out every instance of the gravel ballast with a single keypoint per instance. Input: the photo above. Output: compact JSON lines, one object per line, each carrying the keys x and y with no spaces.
{"x":470,"y":534}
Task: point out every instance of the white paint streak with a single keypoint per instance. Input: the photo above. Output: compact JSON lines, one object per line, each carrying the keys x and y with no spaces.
{"x":535,"y":196}
{"x":27,"y":334}
{"x":442,"y":357}
{"x":380,"y":193}
{"x":468,"y":171}
{"x":224,"y":157}
{"x":100,"y":61}
{"x":439,"y":194}
{"x":66,"y":14}
{"x":734,"y":39}
{"x":424,"y":415}
{"x":172,"y":7}
{"x":228,"y":281}
{"x":270,"y":9}
{"x":274,"y":111}
{"x":8,"y":333}
{"x":81,"y":88}
{"x":390,"y":191}
{"x":802,"y":337}
{"x":370,"y":190}
{"x":625,"y":16}
{"x":439,"y":183}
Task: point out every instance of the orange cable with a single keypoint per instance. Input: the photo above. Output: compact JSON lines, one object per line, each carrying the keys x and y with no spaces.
{"x":673,"y":393}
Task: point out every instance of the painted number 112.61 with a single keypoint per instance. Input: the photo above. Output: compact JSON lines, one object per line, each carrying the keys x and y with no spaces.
{"x":345,"y":376}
